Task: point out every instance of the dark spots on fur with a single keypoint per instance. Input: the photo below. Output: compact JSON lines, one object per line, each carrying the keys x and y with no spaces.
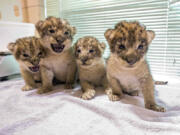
{"x":28,"y":49}
{"x":55,"y":27}
{"x":89,"y":46}
{"x":133,"y":36}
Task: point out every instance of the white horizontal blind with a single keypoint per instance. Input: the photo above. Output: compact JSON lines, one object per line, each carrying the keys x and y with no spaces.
{"x":173,"y":39}
{"x":94,"y":17}
{"x":52,"y":8}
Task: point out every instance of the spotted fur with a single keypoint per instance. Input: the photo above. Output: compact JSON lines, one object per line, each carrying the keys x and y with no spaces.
{"x":58,"y":25}
{"x":57,"y":35}
{"x":28,"y":52}
{"x":127,"y":69}
{"x":88,"y":48}
{"x":91,"y":65}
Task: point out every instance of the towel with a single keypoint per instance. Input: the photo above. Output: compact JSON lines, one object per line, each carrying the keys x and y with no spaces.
{"x":63,"y":112}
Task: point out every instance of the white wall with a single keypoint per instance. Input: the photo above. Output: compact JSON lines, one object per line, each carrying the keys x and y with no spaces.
{"x":7,"y":10}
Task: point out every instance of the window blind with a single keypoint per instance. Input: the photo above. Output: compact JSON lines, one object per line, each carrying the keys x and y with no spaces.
{"x":173,"y":39}
{"x":94,"y":17}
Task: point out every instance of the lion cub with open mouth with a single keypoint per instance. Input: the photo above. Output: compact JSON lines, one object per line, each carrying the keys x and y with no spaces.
{"x":91,"y":65}
{"x":127,"y":69}
{"x":28,"y":52}
{"x":57,"y":35}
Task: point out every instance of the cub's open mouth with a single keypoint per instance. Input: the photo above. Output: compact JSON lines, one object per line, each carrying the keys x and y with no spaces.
{"x":34,"y":69}
{"x":57,"y":47}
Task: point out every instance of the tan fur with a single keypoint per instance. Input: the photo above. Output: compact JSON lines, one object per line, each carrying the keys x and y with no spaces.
{"x":59,"y":62}
{"x":127,"y":69}
{"x":28,"y":52}
{"x":91,"y":65}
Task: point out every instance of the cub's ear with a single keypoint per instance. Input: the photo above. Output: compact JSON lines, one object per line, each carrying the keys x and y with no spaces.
{"x":73,"y":30}
{"x":11,"y":47}
{"x":108,"y":34}
{"x":150,"y":36}
{"x":74,"y":49}
{"x":102,"y":47}
{"x":42,"y":48}
{"x":39,"y":27}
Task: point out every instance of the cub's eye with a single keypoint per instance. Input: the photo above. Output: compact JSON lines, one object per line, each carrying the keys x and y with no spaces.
{"x":78,"y":50}
{"x":91,"y":51}
{"x":25,"y":55}
{"x":52,"y":31}
{"x":122,"y":47}
{"x":140,"y":47}
{"x":66,"y":33}
{"x":40,"y":54}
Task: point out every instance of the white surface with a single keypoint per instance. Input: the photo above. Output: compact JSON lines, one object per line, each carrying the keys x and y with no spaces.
{"x":9,"y":32}
{"x":62,"y":112}
{"x":8,"y":66}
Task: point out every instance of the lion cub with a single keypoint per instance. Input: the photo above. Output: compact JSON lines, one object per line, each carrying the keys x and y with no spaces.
{"x":127,"y":69}
{"x":91,"y":65}
{"x":57,"y":35}
{"x":28,"y":52}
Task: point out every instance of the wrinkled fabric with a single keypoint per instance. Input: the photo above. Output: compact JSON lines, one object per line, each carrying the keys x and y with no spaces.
{"x":62,"y":112}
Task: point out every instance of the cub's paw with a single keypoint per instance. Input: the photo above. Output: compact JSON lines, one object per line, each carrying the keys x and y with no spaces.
{"x":43,"y":90}
{"x":155,"y":107}
{"x":27,"y":88}
{"x":134,"y":93}
{"x":69,"y":86}
{"x":89,"y":94}
{"x":113,"y":97}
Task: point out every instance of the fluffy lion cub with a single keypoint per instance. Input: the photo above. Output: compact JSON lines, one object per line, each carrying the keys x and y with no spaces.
{"x":127,"y":69}
{"x":57,"y":35}
{"x":91,"y":65}
{"x":28,"y":52}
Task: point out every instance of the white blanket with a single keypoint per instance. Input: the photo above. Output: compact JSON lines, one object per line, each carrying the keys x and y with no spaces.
{"x":62,"y":112}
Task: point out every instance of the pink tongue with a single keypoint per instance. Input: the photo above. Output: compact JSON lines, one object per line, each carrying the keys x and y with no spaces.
{"x":35,"y":68}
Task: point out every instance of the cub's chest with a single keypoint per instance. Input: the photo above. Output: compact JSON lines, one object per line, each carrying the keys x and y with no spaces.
{"x":128,"y":80}
{"x":57,"y":63}
{"x":61,"y":64}
{"x":92,"y":74}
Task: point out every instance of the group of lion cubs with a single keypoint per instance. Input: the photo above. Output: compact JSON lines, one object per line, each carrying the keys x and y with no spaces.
{"x":50,"y":59}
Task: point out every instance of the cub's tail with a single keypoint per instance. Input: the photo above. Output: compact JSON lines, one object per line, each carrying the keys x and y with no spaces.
{"x":161,"y":82}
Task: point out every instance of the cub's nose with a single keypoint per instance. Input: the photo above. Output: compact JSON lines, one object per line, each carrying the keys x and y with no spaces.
{"x":35,"y":62}
{"x":131,"y":60}
{"x":60,"y":41}
{"x":84,"y":60}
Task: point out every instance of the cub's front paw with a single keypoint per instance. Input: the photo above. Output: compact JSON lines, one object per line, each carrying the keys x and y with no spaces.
{"x":155,"y":107}
{"x":69,"y":86}
{"x":89,"y":94}
{"x":43,"y":90}
{"x":27,"y":88}
{"x":134,"y":93}
{"x":113,"y":97}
